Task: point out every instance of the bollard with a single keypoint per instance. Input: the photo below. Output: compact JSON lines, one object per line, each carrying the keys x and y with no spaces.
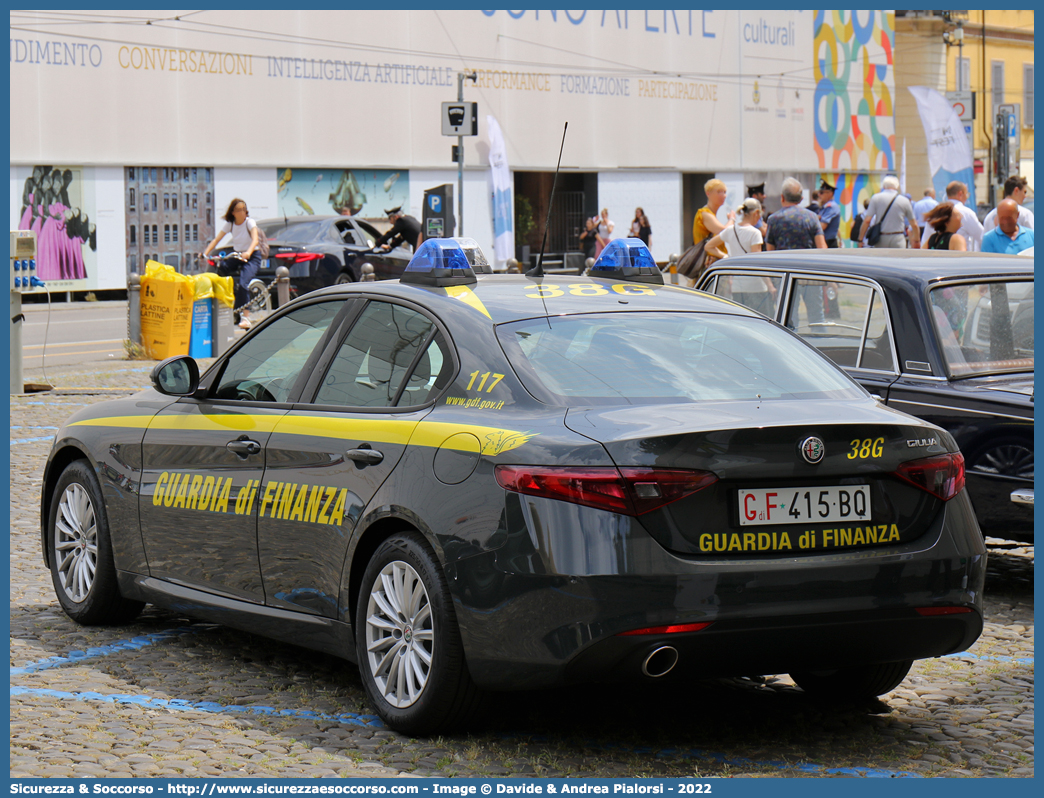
{"x":512,"y":266}
{"x":282,"y":285}
{"x":367,"y":273}
{"x":672,"y":259}
{"x":134,"y":309}
{"x":588,"y":264}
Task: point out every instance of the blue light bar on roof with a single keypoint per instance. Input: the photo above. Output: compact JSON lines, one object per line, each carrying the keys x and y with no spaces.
{"x":627,"y":259}
{"x":439,"y":262}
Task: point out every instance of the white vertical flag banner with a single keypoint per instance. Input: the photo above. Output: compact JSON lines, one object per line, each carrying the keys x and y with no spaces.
{"x":902,"y":171}
{"x":503,"y":226}
{"x":949,"y":154}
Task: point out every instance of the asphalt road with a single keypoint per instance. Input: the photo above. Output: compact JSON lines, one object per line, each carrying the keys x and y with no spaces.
{"x":71,"y":333}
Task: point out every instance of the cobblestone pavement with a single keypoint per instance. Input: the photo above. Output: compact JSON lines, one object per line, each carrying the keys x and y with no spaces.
{"x":196,"y":699}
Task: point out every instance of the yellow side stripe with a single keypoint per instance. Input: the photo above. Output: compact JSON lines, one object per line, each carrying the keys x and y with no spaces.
{"x":433,"y":434}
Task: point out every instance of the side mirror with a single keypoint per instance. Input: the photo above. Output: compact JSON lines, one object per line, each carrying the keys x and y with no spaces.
{"x":176,"y":376}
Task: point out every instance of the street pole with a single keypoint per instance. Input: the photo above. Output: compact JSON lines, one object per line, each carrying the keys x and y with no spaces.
{"x":461,"y":77}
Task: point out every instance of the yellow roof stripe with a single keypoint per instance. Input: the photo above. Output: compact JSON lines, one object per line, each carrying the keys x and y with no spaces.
{"x":468,"y":297}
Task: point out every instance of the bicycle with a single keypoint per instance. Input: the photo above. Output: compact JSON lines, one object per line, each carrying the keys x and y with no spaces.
{"x":229,"y":265}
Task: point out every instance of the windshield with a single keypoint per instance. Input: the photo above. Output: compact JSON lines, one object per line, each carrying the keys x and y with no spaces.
{"x":653,"y":358}
{"x":985,"y":328}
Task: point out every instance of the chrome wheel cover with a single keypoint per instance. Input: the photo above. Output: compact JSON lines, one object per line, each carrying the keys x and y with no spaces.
{"x":1012,"y":460}
{"x":76,"y":543}
{"x":400,"y":634}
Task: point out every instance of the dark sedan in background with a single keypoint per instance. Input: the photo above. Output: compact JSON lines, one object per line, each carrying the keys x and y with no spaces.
{"x":947,"y":337}
{"x":326,"y":250}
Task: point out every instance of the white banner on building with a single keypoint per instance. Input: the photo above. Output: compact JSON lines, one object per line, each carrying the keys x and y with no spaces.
{"x":503,"y":228}
{"x":949,"y":156}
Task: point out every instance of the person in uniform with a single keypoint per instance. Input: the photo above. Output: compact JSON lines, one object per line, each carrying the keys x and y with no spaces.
{"x":758,"y":193}
{"x":404,"y":229}
{"x":829,"y":214}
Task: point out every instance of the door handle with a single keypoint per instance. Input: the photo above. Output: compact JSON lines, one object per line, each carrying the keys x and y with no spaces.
{"x":365,"y":455}
{"x":244,"y":447}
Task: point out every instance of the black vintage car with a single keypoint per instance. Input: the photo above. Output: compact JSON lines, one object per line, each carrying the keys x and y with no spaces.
{"x":468,"y":482}
{"x":945,"y":336}
{"x":325,"y":250}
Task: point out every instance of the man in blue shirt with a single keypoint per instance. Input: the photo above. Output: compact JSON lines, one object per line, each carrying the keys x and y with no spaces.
{"x":923,"y":205}
{"x":829,"y":214}
{"x":1009,"y":237}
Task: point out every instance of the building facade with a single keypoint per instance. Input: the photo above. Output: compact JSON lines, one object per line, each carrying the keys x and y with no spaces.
{"x":304,"y":112}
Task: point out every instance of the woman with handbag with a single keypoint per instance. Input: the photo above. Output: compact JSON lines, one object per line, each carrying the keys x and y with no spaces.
{"x":704,"y":225}
{"x":245,"y":243}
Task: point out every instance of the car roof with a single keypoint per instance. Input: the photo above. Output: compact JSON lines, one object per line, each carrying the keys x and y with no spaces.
{"x":884,"y":265}
{"x":510,"y":297}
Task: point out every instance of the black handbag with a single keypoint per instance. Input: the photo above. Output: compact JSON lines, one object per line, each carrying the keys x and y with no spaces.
{"x":873,"y":233}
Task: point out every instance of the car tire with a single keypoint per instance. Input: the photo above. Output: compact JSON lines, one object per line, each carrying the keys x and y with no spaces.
{"x":1008,"y":456}
{"x":865,"y":681}
{"x":410,"y":655}
{"x":344,"y":278}
{"x":80,"y":551}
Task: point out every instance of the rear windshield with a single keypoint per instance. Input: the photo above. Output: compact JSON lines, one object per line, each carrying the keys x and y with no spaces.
{"x":985,"y":328}
{"x":653,"y":358}
{"x":299,"y":233}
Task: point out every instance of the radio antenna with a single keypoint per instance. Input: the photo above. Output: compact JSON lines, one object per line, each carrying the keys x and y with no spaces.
{"x":538,"y":271}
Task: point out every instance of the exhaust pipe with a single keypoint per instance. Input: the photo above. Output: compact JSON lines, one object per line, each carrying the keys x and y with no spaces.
{"x":660,"y":662}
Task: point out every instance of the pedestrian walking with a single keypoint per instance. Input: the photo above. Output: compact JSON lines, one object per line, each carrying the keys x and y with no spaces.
{"x":603,"y":231}
{"x":1015,"y":188}
{"x":855,"y":233}
{"x":945,"y":221}
{"x":645,"y":230}
{"x":705,"y":224}
{"x":923,"y":205}
{"x":889,"y":210}
{"x":588,"y":239}
{"x":1009,"y":237}
{"x":758,"y":192}
{"x":794,"y":227}
{"x":738,"y":239}
{"x":971,"y":227}
{"x":829,"y":214}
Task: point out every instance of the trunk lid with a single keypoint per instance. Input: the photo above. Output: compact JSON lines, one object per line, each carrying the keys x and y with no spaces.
{"x":755,"y":450}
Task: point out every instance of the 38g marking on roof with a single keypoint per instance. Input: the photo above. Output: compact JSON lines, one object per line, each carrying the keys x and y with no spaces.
{"x":547,"y":291}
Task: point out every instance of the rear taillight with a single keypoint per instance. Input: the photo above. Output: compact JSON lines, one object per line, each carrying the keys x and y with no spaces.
{"x":673,"y":629}
{"x":631,"y":491}
{"x":941,"y":476}
{"x":299,"y":257}
{"x":942,"y":610}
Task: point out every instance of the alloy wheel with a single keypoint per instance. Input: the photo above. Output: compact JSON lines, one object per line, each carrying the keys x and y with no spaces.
{"x":76,"y":543}
{"x":400,"y":634}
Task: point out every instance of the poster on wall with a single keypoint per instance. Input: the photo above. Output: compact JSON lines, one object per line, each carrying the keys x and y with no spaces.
{"x":66,"y":239}
{"x":366,"y":193}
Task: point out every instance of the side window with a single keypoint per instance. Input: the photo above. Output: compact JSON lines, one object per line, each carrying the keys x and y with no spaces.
{"x":431,"y":374}
{"x":346,"y":233}
{"x":373,"y":360}
{"x":877,"y":353}
{"x":265,"y":368}
{"x":831,"y":316}
{"x":757,"y":292}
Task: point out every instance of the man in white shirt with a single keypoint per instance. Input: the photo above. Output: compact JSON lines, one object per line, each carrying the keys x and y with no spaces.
{"x":971,"y":227}
{"x":1014,"y":189}
{"x":892,"y":211}
{"x":923,"y":205}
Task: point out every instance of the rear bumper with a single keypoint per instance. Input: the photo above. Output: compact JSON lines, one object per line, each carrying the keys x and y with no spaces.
{"x":549,"y":605}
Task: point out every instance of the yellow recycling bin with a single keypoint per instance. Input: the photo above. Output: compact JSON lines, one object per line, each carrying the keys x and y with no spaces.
{"x":166,"y":311}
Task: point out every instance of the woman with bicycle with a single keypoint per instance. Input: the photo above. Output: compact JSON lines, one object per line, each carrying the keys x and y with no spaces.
{"x":244,"y":242}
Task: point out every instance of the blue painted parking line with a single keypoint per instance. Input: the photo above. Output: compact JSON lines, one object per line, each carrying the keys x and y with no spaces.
{"x":15,"y":442}
{"x":134,"y":644}
{"x":989,"y":658}
{"x":34,"y":427}
{"x":371,"y":721}
{"x":58,"y":404}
